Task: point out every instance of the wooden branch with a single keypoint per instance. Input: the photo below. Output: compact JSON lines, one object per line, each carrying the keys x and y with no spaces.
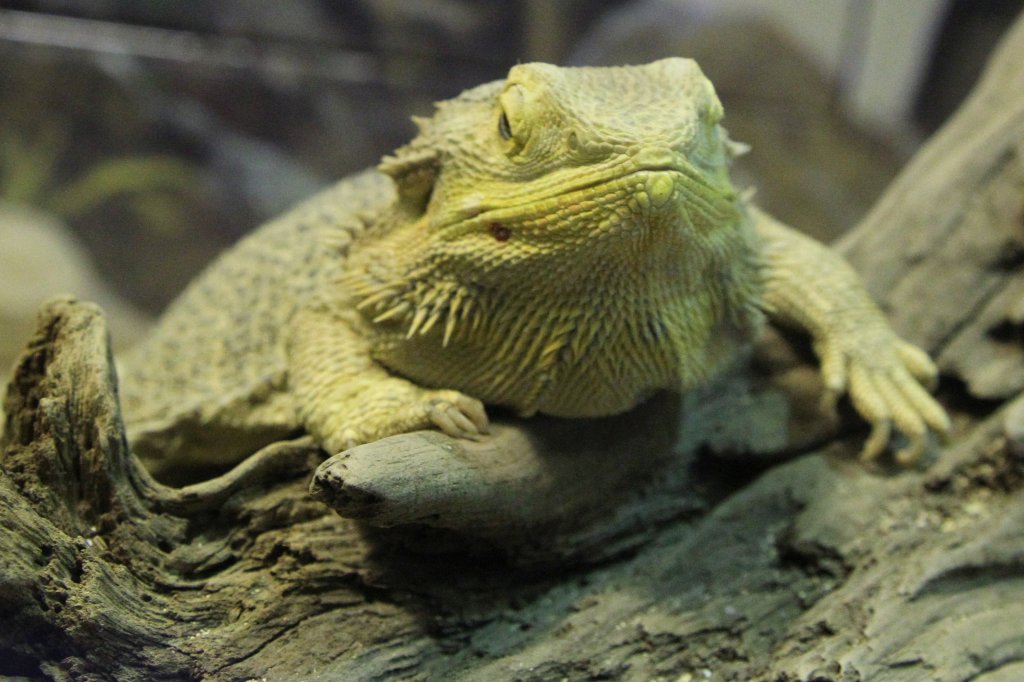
{"x":582,"y":490}
{"x":950,"y":228}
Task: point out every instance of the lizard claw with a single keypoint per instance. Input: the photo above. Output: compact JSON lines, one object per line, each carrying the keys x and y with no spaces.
{"x":457,"y":415}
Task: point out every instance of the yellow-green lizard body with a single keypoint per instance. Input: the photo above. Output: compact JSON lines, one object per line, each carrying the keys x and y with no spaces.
{"x":566,"y":241}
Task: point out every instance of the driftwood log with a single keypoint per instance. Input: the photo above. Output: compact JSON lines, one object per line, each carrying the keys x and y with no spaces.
{"x":692,"y":566}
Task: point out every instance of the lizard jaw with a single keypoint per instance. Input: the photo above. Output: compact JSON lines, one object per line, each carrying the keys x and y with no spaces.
{"x":507,"y":198}
{"x":647,"y":183}
{"x":641,"y":191}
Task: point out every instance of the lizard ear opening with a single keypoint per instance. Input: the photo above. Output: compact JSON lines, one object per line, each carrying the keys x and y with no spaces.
{"x":413,"y":168}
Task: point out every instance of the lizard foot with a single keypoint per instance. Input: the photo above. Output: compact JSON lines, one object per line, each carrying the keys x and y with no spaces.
{"x":886,"y":379}
{"x":401,"y":411}
{"x":457,"y":414}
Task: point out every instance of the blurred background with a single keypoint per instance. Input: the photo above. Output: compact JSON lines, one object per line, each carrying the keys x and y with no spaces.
{"x":138,"y":138}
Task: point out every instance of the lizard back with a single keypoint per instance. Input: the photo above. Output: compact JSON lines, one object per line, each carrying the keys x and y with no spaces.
{"x":212,"y":374}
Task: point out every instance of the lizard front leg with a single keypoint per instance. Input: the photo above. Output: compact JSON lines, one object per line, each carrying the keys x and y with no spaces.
{"x":345,"y":398}
{"x":810,"y":286}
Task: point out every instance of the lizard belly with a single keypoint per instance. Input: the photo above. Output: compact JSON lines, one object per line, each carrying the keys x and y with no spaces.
{"x":622,"y":374}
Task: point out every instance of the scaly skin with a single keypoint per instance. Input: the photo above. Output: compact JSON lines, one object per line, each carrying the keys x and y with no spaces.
{"x":566,"y":241}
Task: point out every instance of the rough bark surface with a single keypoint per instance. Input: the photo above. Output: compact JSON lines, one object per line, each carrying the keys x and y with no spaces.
{"x":693,"y":566}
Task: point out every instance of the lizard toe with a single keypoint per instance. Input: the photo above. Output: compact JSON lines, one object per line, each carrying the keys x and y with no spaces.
{"x":833,"y":368}
{"x":876,"y":443}
{"x":457,"y":415}
{"x":918,"y":363}
{"x":871,"y":403}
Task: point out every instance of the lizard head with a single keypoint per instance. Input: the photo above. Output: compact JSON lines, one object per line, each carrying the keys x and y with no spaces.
{"x":558,"y":183}
{"x":553,"y":162}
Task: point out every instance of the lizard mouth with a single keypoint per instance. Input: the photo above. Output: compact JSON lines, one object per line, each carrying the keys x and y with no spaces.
{"x":654,"y":187}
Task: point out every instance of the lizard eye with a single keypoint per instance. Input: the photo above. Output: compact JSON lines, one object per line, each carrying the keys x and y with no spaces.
{"x":513,"y":122}
{"x":504,"y":127}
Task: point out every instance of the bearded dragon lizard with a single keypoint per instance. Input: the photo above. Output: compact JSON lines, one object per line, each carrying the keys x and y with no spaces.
{"x":565,"y":241}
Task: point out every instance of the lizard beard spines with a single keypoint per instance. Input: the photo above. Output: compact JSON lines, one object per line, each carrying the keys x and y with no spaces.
{"x":421,"y":306}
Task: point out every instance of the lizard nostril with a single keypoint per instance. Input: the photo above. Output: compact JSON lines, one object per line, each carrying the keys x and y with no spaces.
{"x":573,"y":141}
{"x":660,"y":188}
